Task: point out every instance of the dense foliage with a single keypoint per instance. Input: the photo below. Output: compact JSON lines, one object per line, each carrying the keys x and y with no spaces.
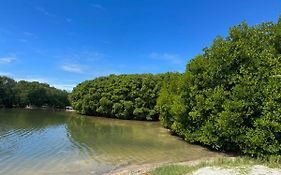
{"x":121,"y":96}
{"x":230,"y":96}
{"x":24,"y":93}
{"x":7,"y":91}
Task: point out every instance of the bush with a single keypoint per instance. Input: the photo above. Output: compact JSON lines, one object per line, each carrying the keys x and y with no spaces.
{"x":121,"y":96}
{"x":229,"y":97}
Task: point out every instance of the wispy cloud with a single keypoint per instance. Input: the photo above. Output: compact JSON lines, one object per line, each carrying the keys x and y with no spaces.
{"x":82,"y":56}
{"x":7,"y":60}
{"x":26,"y":37}
{"x":73,"y":68}
{"x":29,"y":35}
{"x":55,"y":17}
{"x":44,"y":11}
{"x":98,"y":6}
{"x":172,"y":58}
{"x":5,"y":74}
{"x":91,"y":55}
{"x":77,"y":61}
{"x":68,"y":19}
{"x":22,"y":40}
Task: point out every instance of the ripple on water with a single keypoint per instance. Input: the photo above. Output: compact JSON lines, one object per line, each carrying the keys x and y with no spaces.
{"x":36,"y":142}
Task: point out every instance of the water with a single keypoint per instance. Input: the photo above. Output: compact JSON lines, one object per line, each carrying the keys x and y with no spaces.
{"x":45,"y":142}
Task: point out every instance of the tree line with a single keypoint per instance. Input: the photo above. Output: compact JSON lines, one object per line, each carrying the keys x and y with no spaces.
{"x":229,"y":97}
{"x":121,"y":96}
{"x":23,"y":93}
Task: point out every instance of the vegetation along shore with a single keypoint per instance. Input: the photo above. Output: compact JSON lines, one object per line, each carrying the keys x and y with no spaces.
{"x":228,"y":99}
{"x":24,"y":93}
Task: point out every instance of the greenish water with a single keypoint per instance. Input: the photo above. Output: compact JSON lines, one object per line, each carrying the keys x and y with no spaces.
{"x":45,"y":142}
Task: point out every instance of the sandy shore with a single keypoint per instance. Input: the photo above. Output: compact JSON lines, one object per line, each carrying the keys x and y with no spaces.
{"x":253,"y":170}
{"x":145,"y":168}
{"x":245,"y":170}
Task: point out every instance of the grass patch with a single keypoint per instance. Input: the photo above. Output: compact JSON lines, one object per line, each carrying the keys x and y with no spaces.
{"x":241,"y":164}
{"x":172,"y":170}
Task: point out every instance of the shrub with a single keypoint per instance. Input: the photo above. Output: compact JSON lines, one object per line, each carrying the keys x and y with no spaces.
{"x":121,"y":96}
{"x":229,"y":97}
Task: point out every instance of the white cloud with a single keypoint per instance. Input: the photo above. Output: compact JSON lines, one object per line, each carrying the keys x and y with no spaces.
{"x":44,"y":12}
{"x":78,"y":61}
{"x":73,"y":68}
{"x":172,"y":58}
{"x":7,"y":60}
{"x":67,"y":87}
{"x":98,"y":6}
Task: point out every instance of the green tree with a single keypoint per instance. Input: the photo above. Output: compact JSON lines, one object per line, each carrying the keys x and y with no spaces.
{"x":229,"y":97}
{"x":7,"y":91}
{"x":24,"y":93}
{"x":121,"y":96}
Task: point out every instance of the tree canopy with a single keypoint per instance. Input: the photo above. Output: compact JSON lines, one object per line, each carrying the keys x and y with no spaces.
{"x":24,"y":93}
{"x":230,"y":96}
{"x":122,"y":96}
{"x":7,"y":95}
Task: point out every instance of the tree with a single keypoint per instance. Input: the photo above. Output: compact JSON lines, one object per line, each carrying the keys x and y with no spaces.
{"x":229,"y":97}
{"x":24,"y":93}
{"x":7,"y":91}
{"x":121,"y":96}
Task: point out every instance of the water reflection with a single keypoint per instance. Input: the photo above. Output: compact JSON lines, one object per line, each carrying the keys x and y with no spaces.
{"x":44,"y":142}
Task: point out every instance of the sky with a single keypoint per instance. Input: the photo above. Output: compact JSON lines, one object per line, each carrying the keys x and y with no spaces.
{"x":64,"y":42}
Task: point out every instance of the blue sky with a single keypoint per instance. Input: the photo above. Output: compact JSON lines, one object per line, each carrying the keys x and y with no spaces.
{"x":64,"y":42}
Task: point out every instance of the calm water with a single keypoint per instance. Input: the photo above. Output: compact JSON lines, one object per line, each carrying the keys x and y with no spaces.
{"x":43,"y":142}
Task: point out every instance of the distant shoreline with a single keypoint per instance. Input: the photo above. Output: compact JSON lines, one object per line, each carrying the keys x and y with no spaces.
{"x":38,"y":108}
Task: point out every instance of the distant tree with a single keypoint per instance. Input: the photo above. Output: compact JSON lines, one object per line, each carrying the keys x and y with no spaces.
{"x":7,"y":91}
{"x":24,"y":93}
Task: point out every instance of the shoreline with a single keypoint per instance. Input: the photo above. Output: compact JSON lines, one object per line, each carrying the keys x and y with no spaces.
{"x":38,"y":108}
{"x":144,"y":169}
{"x":217,"y":165}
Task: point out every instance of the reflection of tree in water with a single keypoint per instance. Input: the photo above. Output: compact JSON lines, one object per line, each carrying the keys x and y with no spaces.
{"x":117,"y":140}
{"x":23,"y":132}
{"x":53,"y":141}
{"x":21,"y":118}
{"x":26,"y":120}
